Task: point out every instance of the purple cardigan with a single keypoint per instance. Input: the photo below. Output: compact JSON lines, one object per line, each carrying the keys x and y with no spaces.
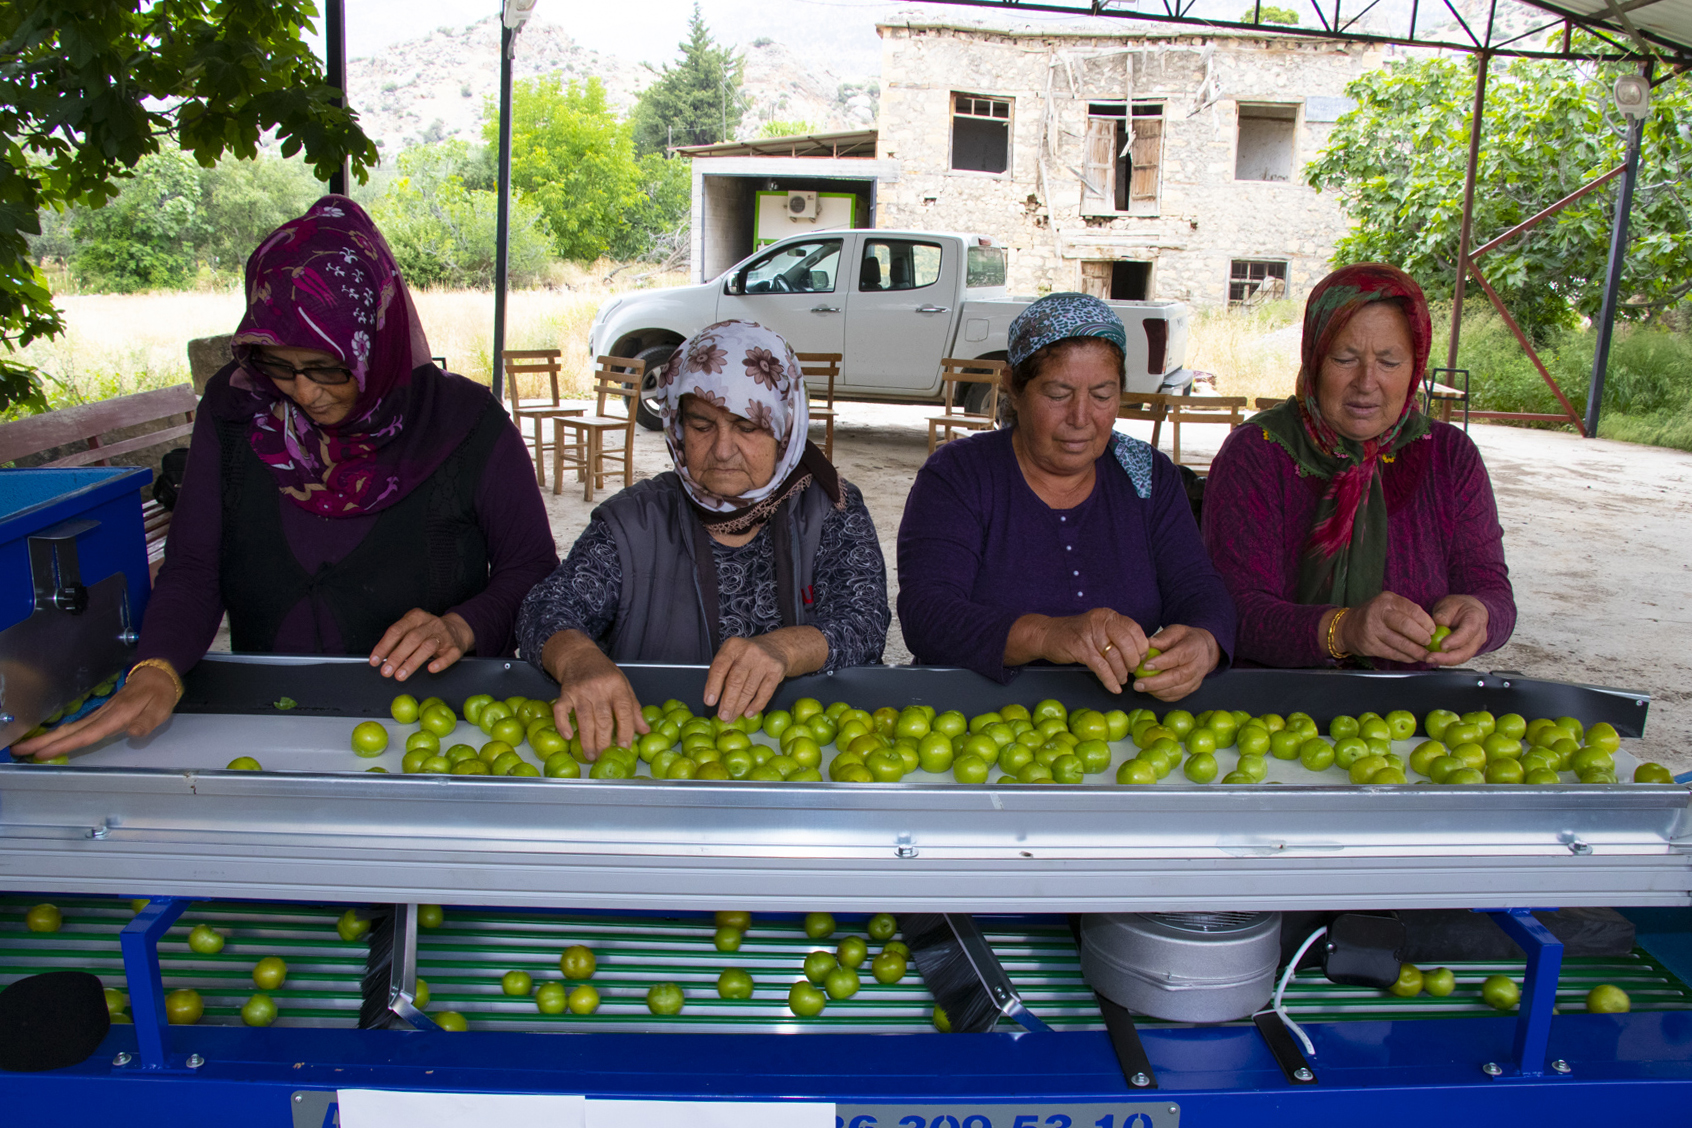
{"x":187,"y":601}
{"x":1443,"y":537}
{"x":978,"y":549}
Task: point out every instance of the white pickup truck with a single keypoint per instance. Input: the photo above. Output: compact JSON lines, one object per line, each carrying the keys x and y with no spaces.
{"x":893,"y":303}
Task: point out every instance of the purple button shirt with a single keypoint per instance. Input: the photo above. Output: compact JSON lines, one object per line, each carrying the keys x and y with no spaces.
{"x":978,"y":549}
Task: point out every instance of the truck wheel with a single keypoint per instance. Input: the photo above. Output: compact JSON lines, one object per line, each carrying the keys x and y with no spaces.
{"x":647,"y":406}
{"x":975,"y":402}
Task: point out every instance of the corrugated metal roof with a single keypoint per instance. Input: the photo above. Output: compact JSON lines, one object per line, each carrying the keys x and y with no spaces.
{"x":1665,"y":25}
{"x":849,"y":143}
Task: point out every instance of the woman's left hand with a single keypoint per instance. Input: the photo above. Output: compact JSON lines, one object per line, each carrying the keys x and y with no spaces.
{"x":1468,"y":618}
{"x":1186,"y":655}
{"x":746,"y":672}
{"x":439,"y":640}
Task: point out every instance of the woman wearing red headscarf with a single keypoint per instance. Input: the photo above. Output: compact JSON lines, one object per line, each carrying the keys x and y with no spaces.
{"x":343,"y":495}
{"x":1348,"y":525}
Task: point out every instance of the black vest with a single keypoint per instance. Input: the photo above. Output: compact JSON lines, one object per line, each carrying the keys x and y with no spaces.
{"x":662,"y":616}
{"x":425,"y":551}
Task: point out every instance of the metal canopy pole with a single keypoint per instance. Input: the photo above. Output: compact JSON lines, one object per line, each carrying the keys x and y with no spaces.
{"x":507,"y":47}
{"x":335,"y":40}
{"x":1482,"y":60}
{"x":1613,"y":272}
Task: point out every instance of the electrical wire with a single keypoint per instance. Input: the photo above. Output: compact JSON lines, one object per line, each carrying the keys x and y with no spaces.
{"x":1280,"y":989}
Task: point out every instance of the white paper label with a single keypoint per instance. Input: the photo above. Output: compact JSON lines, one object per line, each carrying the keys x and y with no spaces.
{"x":388,"y":1108}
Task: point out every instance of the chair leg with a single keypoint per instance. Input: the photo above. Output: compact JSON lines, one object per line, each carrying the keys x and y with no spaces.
{"x":540,"y":453}
{"x":828,"y":440}
{"x":1175,"y":440}
{"x":931,"y":444}
{"x":590,"y":464}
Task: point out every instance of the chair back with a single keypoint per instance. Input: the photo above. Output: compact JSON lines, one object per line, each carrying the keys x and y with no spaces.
{"x":819,"y":366}
{"x":1264,"y":403}
{"x":525,"y":361}
{"x":958,"y":370}
{"x":618,"y":376}
{"x":1207,"y":409}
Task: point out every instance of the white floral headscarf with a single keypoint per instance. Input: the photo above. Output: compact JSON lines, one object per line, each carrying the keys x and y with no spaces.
{"x":741,"y":367}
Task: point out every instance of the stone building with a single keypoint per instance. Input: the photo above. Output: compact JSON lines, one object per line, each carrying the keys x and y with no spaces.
{"x":1155,"y":163}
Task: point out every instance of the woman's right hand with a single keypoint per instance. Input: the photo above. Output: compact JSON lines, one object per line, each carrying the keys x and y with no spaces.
{"x":1107,"y":643}
{"x":142,"y":705}
{"x":592,"y":687}
{"x":1388,"y":626}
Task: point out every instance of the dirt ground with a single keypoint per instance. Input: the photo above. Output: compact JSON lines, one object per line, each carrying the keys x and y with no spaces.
{"x":1598,"y":536}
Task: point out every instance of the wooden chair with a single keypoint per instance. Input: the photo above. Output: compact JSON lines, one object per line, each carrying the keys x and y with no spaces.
{"x":1202,"y":409}
{"x":1442,"y":397}
{"x":585,"y":448}
{"x":519,"y":362}
{"x":86,"y":423}
{"x":955,"y":371}
{"x":815,"y":366}
{"x":1264,"y":403}
{"x":1153,"y":406}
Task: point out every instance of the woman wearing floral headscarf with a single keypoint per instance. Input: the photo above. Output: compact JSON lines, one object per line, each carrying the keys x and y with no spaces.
{"x":343,"y":495}
{"x":1060,"y":539}
{"x":753,"y":555}
{"x":1348,"y":525}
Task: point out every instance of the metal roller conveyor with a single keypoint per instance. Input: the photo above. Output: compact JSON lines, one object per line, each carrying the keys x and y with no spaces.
{"x":163,"y":816}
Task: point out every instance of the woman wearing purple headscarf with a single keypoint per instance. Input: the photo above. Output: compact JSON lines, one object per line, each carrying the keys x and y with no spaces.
{"x":343,"y":495}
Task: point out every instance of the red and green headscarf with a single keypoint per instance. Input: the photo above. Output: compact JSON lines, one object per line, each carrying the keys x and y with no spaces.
{"x":1345,"y":562}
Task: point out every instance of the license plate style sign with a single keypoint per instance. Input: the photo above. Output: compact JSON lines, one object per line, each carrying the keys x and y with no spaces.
{"x":1144,"y":1114}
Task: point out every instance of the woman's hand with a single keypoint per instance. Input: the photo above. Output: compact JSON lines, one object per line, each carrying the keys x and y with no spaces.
{"x":1468,"y":618}
{"x":1185,"y":656}
{"x":1388,"y":626}
{"x":746,"y":672}
{"x":142,"y":705}
{"x":1107,"y":643}
{"x":420,"y":637}
{"x":591,"y":687}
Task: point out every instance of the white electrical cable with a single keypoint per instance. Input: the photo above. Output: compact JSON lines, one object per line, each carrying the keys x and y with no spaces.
{"x":1281,"y":988}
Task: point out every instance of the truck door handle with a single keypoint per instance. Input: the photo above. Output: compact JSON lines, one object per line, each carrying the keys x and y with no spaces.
{"x":934,"y":309}
{"x":825,"y":309}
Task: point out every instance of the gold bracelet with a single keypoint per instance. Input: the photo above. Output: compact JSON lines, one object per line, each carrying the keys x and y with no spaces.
{"x":161,"y":664}
{"x":1333,"y":625}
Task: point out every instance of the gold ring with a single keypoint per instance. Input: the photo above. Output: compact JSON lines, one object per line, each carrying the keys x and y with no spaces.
{"x":1109,"y":646}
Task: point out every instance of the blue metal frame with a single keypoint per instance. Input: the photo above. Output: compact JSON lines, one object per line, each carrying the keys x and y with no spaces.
{"x":1396,"y":1072}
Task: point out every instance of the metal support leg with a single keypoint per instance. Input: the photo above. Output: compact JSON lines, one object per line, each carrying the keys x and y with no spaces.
{"x":139,"y":942}
{"x":1539,"y":990}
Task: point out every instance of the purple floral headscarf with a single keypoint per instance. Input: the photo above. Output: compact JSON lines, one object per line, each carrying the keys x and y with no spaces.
{"x":741,"y":367}
{"x":328,"y":281}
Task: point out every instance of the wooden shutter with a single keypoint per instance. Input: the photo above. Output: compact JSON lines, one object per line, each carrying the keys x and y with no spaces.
{"x":1098,"y":169}
{"x":1145,"y":152}
{"x":1095,"y":279}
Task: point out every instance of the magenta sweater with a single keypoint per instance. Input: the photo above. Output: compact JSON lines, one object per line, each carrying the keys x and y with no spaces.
{"x":1444,"y":538}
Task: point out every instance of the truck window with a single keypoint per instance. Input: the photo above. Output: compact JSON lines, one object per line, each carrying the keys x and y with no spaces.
{"x":985,"y":266}
{"x":899,"y":264}
{"x":798,"y":268}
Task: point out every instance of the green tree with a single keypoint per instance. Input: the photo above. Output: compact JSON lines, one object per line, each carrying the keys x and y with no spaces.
{"x":1397,"y":164}
{"x":442,"y":233}
{"x":786,"y":129}
{"x":89,"y":89}
{"x":698,"y":101}
{"x":1269,"y":14}
{"x":143,"y":238}
{"x":243,"y":201}
{"x":574,"y":159}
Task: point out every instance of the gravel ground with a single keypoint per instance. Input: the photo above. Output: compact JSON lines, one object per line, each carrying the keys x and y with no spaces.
{"x":1597,"y":534}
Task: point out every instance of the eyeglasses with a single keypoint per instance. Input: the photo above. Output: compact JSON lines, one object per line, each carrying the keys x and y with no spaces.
{"x":317,"y":374}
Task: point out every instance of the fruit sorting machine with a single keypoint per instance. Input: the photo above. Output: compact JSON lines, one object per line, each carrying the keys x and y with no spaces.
{"x":161,"y":818}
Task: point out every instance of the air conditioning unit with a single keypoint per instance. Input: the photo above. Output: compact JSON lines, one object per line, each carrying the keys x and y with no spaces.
{"x":801,"y":205}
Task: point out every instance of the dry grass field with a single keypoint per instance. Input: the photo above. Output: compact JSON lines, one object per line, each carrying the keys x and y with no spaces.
{"x":121,"y":343}
{"x":115,"y":344}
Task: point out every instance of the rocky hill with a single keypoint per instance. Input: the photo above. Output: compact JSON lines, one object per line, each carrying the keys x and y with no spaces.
{"x":434,"y":87}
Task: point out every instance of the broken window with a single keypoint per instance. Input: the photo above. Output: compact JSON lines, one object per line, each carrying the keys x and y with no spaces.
{"x":1122,"y":157}
{"x":1124,"y":280}
{"x":1251,"y":281}
{"x":1265,"y":150}
{"x":980,"y":133}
